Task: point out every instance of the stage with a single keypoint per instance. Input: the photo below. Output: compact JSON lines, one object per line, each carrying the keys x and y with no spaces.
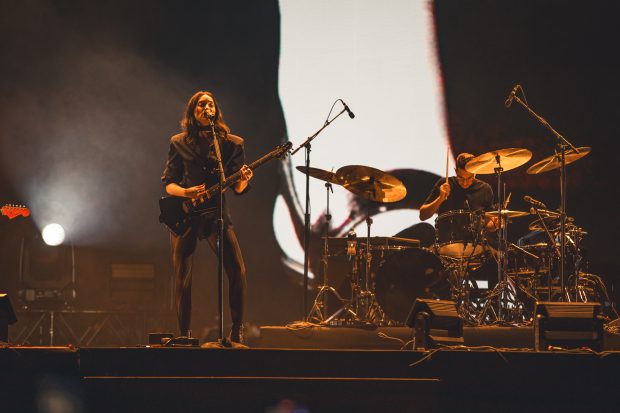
{"x":277,"y":371}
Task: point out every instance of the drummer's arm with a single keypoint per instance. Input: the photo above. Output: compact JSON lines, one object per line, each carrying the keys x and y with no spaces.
{"x":492,"y":224}
{"x":428,"y":210}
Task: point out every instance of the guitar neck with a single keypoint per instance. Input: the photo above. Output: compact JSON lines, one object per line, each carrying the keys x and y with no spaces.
{"x":235,"y":177}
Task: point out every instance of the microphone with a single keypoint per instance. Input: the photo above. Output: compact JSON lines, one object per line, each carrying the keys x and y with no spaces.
{"x":547,"y":213}
{"x":510,"y":98}
{"x":534,"y":202}
{"x":351,"y":114}
{"x":207,"y":114}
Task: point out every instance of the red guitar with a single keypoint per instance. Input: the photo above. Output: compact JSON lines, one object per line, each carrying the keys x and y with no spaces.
{"x":13,"y":211}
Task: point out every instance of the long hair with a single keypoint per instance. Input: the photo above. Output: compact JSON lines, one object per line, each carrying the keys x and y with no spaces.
{"x":190,"y":125}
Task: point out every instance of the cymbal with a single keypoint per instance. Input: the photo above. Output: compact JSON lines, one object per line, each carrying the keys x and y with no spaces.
{"x":552,"y":223}
{"x":553,"y":162}
{"x":321,"y":174}
{"x":371,"y":183}
{"x":508,"y":159}
{"x":507,"y":213}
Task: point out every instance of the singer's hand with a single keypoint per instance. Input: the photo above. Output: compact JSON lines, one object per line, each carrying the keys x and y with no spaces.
{"x":444,"y":191}
{"x":194,"y":191}
{"x":245,"y":174}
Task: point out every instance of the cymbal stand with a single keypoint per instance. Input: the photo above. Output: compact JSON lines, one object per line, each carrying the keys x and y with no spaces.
{"x":551,"y":242}
{"x":502,"y":236}
{"x":366,"y":300}
{"x":306,"y":145}
{"x":501,"y":289}
{"x":562,"y":143}
{"x":320,"y":309}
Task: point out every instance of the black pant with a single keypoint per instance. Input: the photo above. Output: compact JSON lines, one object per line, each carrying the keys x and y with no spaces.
{"x":182,"y":260}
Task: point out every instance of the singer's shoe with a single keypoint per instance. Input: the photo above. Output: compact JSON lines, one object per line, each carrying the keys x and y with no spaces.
{"x":237,"y":334}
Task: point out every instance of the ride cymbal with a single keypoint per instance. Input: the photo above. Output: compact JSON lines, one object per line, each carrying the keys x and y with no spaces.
{"x":507,"y":159}
{"x":321,"y":174}
{"x":371,"y":183}
{"x":553,"y":162}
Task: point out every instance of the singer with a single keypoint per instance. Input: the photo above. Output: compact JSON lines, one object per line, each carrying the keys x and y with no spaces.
{"x":461,"y":192}
{"x":191,"y":166}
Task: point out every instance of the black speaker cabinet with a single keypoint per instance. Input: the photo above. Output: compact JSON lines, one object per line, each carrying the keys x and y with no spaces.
{"x":7,"y":316}
{"x":568,"y":325}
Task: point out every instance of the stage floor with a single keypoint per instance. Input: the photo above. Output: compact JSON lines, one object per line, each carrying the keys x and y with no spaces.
{"x":263,"y":379}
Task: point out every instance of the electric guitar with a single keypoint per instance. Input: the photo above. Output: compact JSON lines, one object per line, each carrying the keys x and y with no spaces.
{"x":176,"y":212}
{"x":13,"y":211}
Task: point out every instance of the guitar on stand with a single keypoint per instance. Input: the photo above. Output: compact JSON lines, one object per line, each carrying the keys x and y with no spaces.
{"x":176,"y":213}
{"x":13,"y":211}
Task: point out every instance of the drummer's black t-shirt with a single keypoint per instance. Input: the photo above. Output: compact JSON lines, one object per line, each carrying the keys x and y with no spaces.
{"x":479,"y":196}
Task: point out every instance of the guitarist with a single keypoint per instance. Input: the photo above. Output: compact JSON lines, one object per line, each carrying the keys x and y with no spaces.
{"x":191,"y":167}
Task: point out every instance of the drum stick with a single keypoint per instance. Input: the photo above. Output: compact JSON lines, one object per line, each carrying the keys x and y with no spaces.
{"x":447,"y":159}
{"x":507,"y":201}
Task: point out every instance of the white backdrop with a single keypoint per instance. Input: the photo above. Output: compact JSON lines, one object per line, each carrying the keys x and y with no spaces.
{"x":380,"y":58}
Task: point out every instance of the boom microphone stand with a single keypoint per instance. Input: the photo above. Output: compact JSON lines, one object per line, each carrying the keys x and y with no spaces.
{"x":306,"y":145}
{"x":221,"y":341}
{"x":561,"y":144}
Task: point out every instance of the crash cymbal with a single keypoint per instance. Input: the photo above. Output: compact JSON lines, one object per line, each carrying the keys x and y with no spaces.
{"x":553,"y":162}
{"x":371,"y":183}
{"x":508,"y":159}
{"x":321,"y":174}
{"x":507,"y":213}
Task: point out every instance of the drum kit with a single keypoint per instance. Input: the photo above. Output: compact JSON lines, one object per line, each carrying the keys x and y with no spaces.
{"x":492,"y":280}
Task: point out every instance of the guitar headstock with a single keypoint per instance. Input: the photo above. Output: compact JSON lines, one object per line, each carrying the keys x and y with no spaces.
{"x":13,"y":211}
{"x":283,"y":149}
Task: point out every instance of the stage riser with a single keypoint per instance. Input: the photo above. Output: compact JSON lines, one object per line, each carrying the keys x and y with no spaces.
{"x":175,"y":379}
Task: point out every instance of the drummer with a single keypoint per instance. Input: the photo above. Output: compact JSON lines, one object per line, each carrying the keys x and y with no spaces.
{"x":460,"y":192}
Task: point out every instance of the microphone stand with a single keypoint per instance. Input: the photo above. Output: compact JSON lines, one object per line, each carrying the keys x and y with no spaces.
{"x":307,"y":146}
{"x":552,"y":242}
{"x":222,"y":341}
{"x":562,"y":144}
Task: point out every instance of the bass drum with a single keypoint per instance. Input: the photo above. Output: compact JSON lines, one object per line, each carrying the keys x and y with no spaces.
{"x":406,"y":275}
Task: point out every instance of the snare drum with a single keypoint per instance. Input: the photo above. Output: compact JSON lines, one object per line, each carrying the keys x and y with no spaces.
{"x":458,"y":234}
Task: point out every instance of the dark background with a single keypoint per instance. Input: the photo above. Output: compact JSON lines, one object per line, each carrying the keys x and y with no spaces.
{"x":91,"y":92}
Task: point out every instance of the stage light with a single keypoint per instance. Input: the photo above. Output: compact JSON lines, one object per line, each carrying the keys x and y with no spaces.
{"x":435,"y":323}
{"x":53,"y":234}
{"x":568,"y":325}
{"x":47,"y":268}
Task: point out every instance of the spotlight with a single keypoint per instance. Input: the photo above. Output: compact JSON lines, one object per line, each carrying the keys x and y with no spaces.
{"x":53,"y":234}
{"x":47,"y":268}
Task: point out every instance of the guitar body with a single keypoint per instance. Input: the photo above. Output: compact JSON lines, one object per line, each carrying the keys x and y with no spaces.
{"x":176,"y":213}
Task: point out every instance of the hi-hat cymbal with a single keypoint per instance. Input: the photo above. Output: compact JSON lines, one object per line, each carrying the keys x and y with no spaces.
{"x":551,"y":222}
{"x":507,"y":213}
{"x":508,"y":159}
{"x":321,"y":174}
{"x":553,"y":162}
{"x":371,"y":183}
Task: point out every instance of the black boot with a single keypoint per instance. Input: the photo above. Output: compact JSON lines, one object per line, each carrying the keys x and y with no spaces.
{"x":237,"y":334}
